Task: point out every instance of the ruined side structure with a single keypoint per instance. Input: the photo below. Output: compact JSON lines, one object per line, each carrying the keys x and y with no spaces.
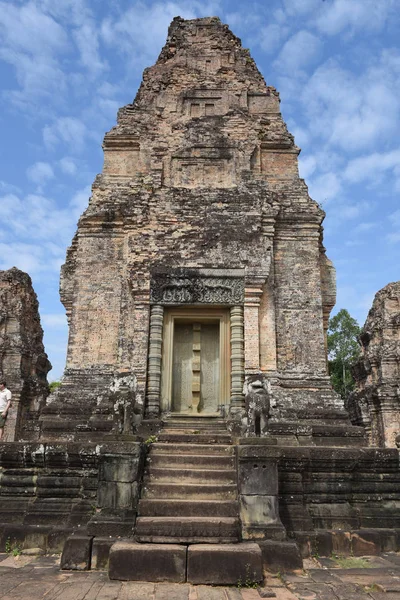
{"x":23,"y":361}
{"x":375,"y":404}
{"x":199,"y":261}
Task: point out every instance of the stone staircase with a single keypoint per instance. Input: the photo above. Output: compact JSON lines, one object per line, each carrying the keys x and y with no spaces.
{"x":189,"y":492}
{"x":188,"y":526}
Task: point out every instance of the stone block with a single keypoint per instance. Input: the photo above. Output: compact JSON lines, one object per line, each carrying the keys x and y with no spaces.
{"x":117,"y":494}
{"x":100,"y":553}
{"x":259,"y":510}
{"x":147,"y":562}
{"x":119,"y":468}
{"x":341,"y":542}
{"x":77,"y":553}
{"x":280,"y":556}
{"x":258,"y":476}
{"x":366,"y":542}
{"x":224,"y":564}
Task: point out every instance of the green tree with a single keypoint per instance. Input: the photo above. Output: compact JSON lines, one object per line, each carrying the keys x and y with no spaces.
{"x":343,"y":351}
{"x":54,"y":385}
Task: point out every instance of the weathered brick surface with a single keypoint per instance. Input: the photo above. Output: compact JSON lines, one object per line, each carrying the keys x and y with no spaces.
{"x":376,"y":400}
{"x":23,"y":361}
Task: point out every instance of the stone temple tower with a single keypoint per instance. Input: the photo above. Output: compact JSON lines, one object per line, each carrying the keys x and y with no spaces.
{"x":198,"y":264}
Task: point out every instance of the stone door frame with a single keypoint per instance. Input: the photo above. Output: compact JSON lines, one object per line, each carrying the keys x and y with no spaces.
{"x":233,"y":335}
{"x":201,"y":314}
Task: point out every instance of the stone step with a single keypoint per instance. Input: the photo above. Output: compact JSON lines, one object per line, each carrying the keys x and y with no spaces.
{"x":225,"y":565}
{"x":211,"y":461}
{"x":193,"y":423}
{"x":214,"y":564}
{"x":147,"y":562}
{"x":188,"y":508}
{"x":190,"y":475}
{"x":189,"y":529}
{"x":186,"y":491}
{"x":182,"y":448}
{"x":190,"y":438}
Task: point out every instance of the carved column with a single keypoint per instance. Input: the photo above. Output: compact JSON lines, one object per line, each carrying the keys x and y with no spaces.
{"x":154,"y":372}
{"x":237,"y":359}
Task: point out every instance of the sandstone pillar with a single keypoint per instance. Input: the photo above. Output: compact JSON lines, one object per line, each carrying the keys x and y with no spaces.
{"x":154,"y":372}
{"x":237,"y":359}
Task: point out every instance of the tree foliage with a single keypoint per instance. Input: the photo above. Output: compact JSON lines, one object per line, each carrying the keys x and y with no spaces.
{"x":54,"y":385}
{"x":343,"y":351}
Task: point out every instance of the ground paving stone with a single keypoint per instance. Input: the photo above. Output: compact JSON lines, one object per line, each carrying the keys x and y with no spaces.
{"x":392,"y":557}
{"x":323,"y":576}
{"x":205,"y":592}
{"x":41,"y":579}
{"x":172,"y":591}
{"x":110,"y":591}
{"x":250,"y":595}
{"x":347,"y":591}
{"x":384,"y":596}
{"x":136,"y":591}
{"x":233,"y":594}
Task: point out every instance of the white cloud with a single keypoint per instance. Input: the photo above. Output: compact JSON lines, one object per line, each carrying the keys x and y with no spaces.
{"x":86,"y":38}
{"x":353,"y":15}
{"x":74,"y":12}
{"x":31,"y":41}
{"x":393,"y":238}
{"x":365,"y":227}
{"x":36,"y":217}
{"x":395,"y":217}
{"x":141,"y":30}
{"x":68,"y":165}
{"x":26,"y":28}
{"x":54,"y":320}
{"x":9,"y":188}
{"x":69,"y":130}
{"x":350,"y":112}
{"x":272,"y":35}
{"x":40,"y":173}
{"x":307,"y":166}
{"x":28,"y":257}
{"x":301,"y":49}
{"x":325,"y":187}
{"x":373,"y":166}
{"x":294,"y":8}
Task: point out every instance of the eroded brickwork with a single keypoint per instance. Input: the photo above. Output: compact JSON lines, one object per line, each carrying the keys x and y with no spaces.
{"x":376,"y":401}
{"x":23,"y":361}
{"x":200,"y":172}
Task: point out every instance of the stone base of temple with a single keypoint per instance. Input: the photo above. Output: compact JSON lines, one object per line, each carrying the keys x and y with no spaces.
{"x":199,"y":485}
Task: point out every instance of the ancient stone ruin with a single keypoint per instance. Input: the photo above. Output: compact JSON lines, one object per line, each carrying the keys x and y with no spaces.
{"x":23,"y":361}
{"x":375,"y":404}
{"x":196,"y":434}
{"x":199,"y":261}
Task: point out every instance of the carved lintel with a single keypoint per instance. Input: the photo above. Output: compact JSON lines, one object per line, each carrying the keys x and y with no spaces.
{"x":170,"y":289}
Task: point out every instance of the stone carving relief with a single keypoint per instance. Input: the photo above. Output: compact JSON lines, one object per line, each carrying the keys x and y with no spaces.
{"x":258,"y":403}
{"x":195,"y":289}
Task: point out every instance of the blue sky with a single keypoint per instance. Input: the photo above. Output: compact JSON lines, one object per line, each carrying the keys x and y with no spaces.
{"x":66,"y":66}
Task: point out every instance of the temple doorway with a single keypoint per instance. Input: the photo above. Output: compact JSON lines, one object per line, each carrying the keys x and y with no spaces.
{"x":196,"y":362}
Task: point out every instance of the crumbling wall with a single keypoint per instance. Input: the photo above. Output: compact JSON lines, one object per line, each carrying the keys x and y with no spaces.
{"x":23,"y":361}
{"x":50,"y":490}
{"x":375,"y":403}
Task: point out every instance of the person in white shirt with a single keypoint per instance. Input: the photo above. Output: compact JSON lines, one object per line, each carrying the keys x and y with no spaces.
{"x":5,"y":403}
